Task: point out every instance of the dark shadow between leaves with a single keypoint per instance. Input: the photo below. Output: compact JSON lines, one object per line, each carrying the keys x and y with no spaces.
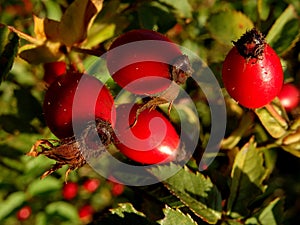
{"x":127,"y":219}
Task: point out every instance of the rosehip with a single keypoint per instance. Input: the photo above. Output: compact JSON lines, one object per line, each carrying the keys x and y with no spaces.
{"x":146,"y":68}
{"x":289,"y":96}
{"x":93,"y":100}
{"x":117,"y":189}
{"x":70,"y":190}
{"x":152,"y":140}
{"x":53,"y":70}
{"x":91,"y":185}
{"x":24,"y":213}
{"x":252,"y":72}
{"x":86,"y":212}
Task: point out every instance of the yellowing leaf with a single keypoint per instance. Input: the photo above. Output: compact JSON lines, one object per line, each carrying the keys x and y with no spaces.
{"x":39,"y":28}
{"x":45,"y":53}
{"x":46,"y":29}
{"x":77,"y":19}
{"x":51,"y":29}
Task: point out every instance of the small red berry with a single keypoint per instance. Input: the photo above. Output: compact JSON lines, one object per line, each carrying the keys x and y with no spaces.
{"x":93,"y":100}
{"x":86,"y":213}
{"x":91,"y":185}
{"x":24,"y":213}
{"x":252,"y":71}
{"x":289,"y":96}
{"x":117,"y":189}
{"x":53,"y":70}
{"x":152,"y":139}
{"x":70,"y":190}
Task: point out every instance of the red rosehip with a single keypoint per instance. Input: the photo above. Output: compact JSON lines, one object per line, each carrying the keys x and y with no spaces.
{"x":252,"y":72}
{"x":151,"y":140}
{"x":24,"y":213}
{"x":117,"y":189}
{"x":145,"y":68}
{"x":91,"y":185}
{"x":70,"y":190}
{"x":86,"y":213}
{"x":289,"y":96}
{"x":93,"y":100}
{"x":53,"y":70}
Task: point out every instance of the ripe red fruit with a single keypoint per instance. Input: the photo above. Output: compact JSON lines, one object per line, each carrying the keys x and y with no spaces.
{"x":252,"y":72}
{"x":24,"y":213}
{"x":70,"y":190}
{"x":53,"y":70}
{"x":60,"y":112}
{"x":152,"y":140}
{"x":117,"y":189}
{"x":289,"y":96}
{"x":144,"y":66}
{"x":86,"y":212}
{"x":91,"y":185}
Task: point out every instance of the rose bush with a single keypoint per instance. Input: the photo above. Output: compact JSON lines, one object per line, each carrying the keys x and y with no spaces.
{"x":247,"y":180}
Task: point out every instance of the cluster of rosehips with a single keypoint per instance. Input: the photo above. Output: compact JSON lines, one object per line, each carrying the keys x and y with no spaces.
{"x":75,"y":100}
{"x":252,"y":75}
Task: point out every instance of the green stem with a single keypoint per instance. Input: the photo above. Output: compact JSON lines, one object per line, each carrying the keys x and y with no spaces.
{"x":270,"y":108}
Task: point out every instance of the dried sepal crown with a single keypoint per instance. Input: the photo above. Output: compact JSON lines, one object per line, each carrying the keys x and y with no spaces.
{"x":251,"y":44}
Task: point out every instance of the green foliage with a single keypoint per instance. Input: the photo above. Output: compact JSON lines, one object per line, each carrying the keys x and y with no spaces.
{"x":8,"y":50}
{"x":248,"y":174}
{"x":253,"y":179}
{"x":176,"y":216}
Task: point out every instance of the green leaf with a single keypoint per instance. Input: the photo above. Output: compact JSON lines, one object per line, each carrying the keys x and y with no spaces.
{"x":196,"y":191}
{"x":244,"y":125}
{"x":247,"y":175}
{"x":99,"y":33}
{"x":290,"y":142}
{"x":13,"y":201}
{"x":263,"y":9}
{"x":284,"y":33}
{"x":13,"y":124}
{"x":62,"y":209}
{"x":125,"y":213}
{"x":8,"y":51}
{"x":182,"y":8}
{"x":156,"y":16}
{"x":271,"y":214}
{"x":38,"y":187}
{"x":267,"y":116}
{"x":176,"y":217}
{"x":77,"y":20}
{"x":53,"y":9}
{"x":125,"y":208}
{"x":231,"y":222}
{"x":28,"y":106}
{"x":227,"y":26}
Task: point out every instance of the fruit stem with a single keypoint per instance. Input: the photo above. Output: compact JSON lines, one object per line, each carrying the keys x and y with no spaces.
{"x":270,"y":108}
{"x":88,"y":51}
